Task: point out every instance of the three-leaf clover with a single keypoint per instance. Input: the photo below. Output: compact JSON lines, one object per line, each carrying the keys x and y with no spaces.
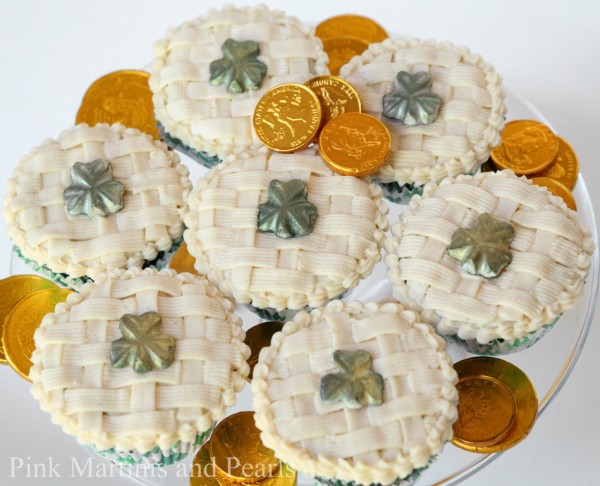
{"x":239,"y":68}
{"x":412,"y":102}
{"x":143,"y":346}
{"x":356,"y":385}
{"x":287,"y":212}
{"x":93,"y":191}
{"x":483,"y":249}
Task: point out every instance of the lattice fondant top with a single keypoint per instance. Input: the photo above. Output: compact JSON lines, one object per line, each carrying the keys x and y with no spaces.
{"x":470,"y":119}
{"x":268,"y":271}
{"x":551,"y":255}
{"x":209,"y":118}
{"x":374,"y":444}
{"x":156,"y":190}
{"x":106,"y":407}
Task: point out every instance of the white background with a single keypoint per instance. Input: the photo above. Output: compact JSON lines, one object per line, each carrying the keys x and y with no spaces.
{"x":546,"y":51}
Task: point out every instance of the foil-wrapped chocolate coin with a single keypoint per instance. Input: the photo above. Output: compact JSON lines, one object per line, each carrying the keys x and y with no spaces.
{"x":558,"y":189}
{"x":564,"y":168}
{"x":258,"y":337}
{"x":497,"y":405}
{"x":238,"y":452}
{"x":336,"y":95}
{"x":13,"y":289}
{"x":204,"y":473}
{"x":182,"y":261}
{"x":356,"y":25}
{"x":341,"y":49}
{"x":527,"y":147}
{"x":21,"y":323}
{"x":287,"y":117}
{"x":120,"y":97}
{"x":354,"y":144}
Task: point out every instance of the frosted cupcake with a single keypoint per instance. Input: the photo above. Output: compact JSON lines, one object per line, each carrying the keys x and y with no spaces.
{"x":490,"y":260}
{"x":140,"y":364}
{"x":443,"y":105}
{"x":208,"y":75}
{"x":94,"y":199}
{"x":281,"y":232}
{"x":356,"y":394}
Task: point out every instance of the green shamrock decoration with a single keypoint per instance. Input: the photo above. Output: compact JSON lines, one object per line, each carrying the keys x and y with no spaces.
{"x":239,"y":68}
{"x":412,"y":102}
{"x":356,"y":385}
{"x":287,"y":212}
{"x":143,"y":346}
{"x":483,"y":249}
{"x":93,"y":191}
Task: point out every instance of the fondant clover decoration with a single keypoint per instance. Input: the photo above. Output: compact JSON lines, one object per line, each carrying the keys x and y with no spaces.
{"x":239,"y":68}
{"x":412,"y":102}
{"x":287,"y":212}
{"x":93,"y":191}
{"x":356,"y":385}
{"x":484,"y":249}
{"x":143,"y":346}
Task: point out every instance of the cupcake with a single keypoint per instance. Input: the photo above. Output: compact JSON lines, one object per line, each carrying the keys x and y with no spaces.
{"x":443,"y":105}
{"x":356,"y":394}
{"x":490,"y":260}
{"x":95,"y":199}
{"x":208,"y":75}
{"x":282,"y":232}
{"x":140,"y":364}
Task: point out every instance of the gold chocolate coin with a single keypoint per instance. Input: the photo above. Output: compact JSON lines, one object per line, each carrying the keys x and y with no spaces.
{"x":120,"y":97}
{"x":486,"y":411}
{"x":362,"y":27}
{"x":354,"y":144}
{"x":204,"y":473}
{"x":564,"y":168}
{"x":258,"y":337}
{"x":488,"y":420}
{"x":182,"y":261}
{"x":336,"y":96}
{"x":13,"y":289}
{"x":558,"y":189}
{"x":237,"y":437}
{"x":341,"y":49}
{"x":528,"y":146}
{"x":287,"y":117}
{"x":21,"y":323}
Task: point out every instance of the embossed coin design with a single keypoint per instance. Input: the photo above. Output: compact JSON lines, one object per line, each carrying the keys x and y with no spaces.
{"x":258,"y":337}
{"x":21,"y":323}
{"x":354,"y":144}
{"x":182,"y":261}
{"x":488,"y":420}
{"x":204,"y":473}
{"x":564,"y":168}
{"x":336,"y":96}
{"x":362,"y":27}
{"x":486,"y":410}
{"x":13,"y":289}
{"x":558,"y":189}
{"x":341,"y":49}
{"x":528,"y":146}
{"x":120,"y":97}
{"x":287,"y":117}
{"x":237,"y":436}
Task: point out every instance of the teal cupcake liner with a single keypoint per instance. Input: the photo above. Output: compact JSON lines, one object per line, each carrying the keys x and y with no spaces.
{"x":201,"y":157}
{"x":284,"y":315}
{"x":75,"y":283}
{"x":406,"y":481}
{"x":61,"y":279}
{"x":399,"y":193}
{"x":501,"y":346}
{"x":157,"y":456}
